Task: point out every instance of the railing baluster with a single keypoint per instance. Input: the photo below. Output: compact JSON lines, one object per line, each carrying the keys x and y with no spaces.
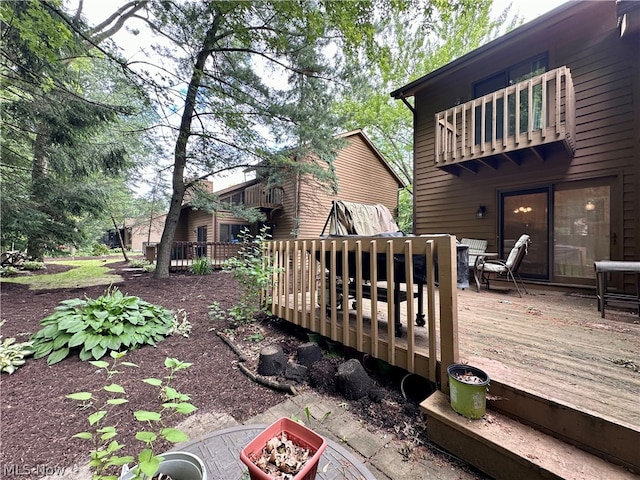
{"x":494,"y":123}
{"x":558,"y":97}
{"x":454,"y":129}
{"x":391,"y":307}
{"x":373,"y":253}
{"x":408,"y":275}
{"x":483,"y":125}
{"x":323,"y":288}
{"x":358,"y":299}
{"x":346,"y":275}
{"x":463,"y":137}
{"x":530,"y":110}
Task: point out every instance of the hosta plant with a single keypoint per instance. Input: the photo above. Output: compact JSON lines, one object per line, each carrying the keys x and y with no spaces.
{"x":12,"y":354}
{"x":111,"y":322}
{"x":104,"y":417}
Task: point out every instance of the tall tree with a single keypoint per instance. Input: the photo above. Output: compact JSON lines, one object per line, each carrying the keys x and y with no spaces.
{"x":255,"y":81}
{"x":55,"y":103}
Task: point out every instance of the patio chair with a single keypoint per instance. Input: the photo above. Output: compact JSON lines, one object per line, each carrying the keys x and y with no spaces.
{"x":505,"y":268}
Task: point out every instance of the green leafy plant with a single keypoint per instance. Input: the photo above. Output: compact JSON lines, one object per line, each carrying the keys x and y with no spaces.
{"x":202,"y":266}
{"x":111,"y":322}
{"x":12,"y":354}
{"x":33,"y":265}
{"x":98,"y":249}
{"x":103,"y":420}
{"x":8,"y":271}
{"x":139,"y":263}
{"x":181,"y":325}
{"x":252,"y":274}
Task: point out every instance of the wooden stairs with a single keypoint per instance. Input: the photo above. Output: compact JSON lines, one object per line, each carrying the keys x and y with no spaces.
{"x":523,"y":436}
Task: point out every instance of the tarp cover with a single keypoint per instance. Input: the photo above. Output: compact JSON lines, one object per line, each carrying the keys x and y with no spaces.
{"x":348,"y":218}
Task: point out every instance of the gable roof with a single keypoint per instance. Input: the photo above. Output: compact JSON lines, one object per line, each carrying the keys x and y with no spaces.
{"x":558,"y":14}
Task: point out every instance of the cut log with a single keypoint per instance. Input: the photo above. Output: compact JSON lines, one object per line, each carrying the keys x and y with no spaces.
{"x":309,"y":353}
{"x":352,"y":380}
{"x":272,"y":361}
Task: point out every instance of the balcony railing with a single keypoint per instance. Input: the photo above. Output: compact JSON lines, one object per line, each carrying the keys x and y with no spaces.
{"x":258,"y":196}
{"x":500,"y":125}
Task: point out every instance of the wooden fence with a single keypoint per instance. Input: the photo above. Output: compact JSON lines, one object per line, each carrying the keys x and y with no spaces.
{"x":352,"y":290}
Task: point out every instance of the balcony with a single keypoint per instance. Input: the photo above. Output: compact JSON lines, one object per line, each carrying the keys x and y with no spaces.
{"x":529,"y":118}
{"x":258,"y":196}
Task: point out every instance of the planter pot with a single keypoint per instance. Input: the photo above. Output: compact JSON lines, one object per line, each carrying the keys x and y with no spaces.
{"x":334,"y":347}
{"x":298,"y":434}
{"x":314,"y":337}
{"x":468,"y":390}
{"x":179,"y":466}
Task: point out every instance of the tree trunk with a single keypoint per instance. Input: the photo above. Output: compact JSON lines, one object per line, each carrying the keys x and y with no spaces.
{"x":180,"y":154}
{"x":122,"y":247}
{"x":35,"y":242}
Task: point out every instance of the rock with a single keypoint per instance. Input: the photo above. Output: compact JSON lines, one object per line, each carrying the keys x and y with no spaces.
{"x":272,"y":361}
{"x":352,"y":380}
{"x":296,"y":372}
{"x":309,"y":353}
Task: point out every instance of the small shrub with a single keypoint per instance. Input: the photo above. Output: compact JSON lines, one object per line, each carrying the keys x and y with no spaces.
{"x":98,"y":249}
{"x":139,"y":263}
{"x":253,"y":276}
{"x":181,"y":327}
{"x":112,"y":321}
{"x":12,"y":354}
{"x":9,"y":271}
{"x":33,"y":265}
{"x":149,"y":268}
{"x":202,"y":266}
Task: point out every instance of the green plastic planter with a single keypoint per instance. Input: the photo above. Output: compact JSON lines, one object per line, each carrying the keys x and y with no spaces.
{"x":469,"y":399}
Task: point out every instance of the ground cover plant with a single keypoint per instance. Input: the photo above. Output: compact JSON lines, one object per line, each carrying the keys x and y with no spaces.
{"x":72,"y":274}
{"x":111,"y":322}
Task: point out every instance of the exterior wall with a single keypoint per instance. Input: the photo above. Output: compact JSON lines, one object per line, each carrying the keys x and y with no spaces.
{"x":142,"y":232}
{"x":363,"y":177}
{"x":199,"y":218}
{"x":606,"y":75}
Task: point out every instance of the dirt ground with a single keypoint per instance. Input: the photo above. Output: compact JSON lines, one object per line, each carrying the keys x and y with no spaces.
{"x":38,"y":421}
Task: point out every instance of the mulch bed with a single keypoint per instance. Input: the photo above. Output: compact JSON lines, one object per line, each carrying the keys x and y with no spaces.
{"x":38,"y":421}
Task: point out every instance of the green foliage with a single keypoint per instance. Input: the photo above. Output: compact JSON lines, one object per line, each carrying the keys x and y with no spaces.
{"x":104,"y":418}
{"x":33,"y":265}
{"x":253,"y":276}
{"x":9,"y":271}
{"x":98,"y":249}
{"x":181,"y":326}
{"x":201,"y":266}
{"x":111,"y":322}
{"x":139,"y":263}
{"x":12,"y":354}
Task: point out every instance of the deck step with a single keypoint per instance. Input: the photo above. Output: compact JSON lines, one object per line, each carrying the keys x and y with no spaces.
{"x":506,"y":449}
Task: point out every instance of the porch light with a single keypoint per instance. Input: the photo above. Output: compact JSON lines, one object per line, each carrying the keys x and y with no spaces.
{"x":481,"y":211}
{"x":590,"y":206}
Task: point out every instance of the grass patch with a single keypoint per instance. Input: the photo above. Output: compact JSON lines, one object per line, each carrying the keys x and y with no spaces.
{"x":85,"y":273}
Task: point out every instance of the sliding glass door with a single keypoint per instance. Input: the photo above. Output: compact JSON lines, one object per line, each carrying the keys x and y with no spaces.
{"x":527,"y":212}
{"x":570,"y":226}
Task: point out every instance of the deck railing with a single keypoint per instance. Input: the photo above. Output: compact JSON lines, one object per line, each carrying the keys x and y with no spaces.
{"x":184,"y":253}
{"x":534,"y":112}
{"x":352,"y":290}
{"x":259,"y":196}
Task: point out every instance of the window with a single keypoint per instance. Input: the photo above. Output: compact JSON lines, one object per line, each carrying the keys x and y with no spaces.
{"x":230,"y":232}
{"x":516,"y":73}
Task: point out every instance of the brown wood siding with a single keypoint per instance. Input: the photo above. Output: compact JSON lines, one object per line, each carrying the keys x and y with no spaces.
{"x":606,"y":76}
{"x":199,"y":218}
{"x":362,"y":178}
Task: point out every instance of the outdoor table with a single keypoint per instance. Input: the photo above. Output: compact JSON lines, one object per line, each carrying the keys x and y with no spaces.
{"x":604,"y":267}
{"x":220,"y":452}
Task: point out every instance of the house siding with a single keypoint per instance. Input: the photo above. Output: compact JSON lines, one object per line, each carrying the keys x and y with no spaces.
{"x":363,"y":177}
{"x":606,"y":76}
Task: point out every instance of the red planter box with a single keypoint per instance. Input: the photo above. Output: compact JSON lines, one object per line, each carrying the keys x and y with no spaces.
{"x":298,"y":434}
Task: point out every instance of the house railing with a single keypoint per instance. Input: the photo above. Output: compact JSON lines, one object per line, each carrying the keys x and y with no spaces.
{"x":259,"y":196}
{"x":331,"y":287}
{"x":533,"y":112}
{"x":184,"y":253}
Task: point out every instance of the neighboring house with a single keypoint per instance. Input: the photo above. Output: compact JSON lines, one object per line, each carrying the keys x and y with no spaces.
{"x":137,"y":233}
{"x":300,"y":207}
{"x":537,"y":132}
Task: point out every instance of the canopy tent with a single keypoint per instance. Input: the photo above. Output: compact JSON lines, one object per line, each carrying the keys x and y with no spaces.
{"x":349,"y":218}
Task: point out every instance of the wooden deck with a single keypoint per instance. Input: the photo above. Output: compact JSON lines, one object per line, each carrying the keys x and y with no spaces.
{"x":549,"y":343}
